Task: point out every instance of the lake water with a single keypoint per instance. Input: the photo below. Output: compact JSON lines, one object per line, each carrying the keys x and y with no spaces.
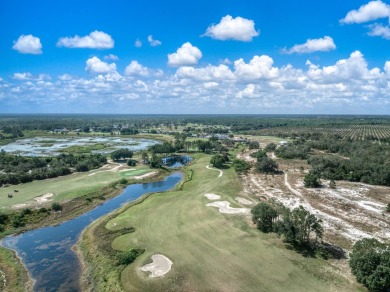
{"x":46,"y":252}
{"x":176,"y":161}
{"x":49,"y":146}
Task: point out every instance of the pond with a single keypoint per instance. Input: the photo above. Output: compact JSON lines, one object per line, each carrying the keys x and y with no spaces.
{"x":49,"y":146}
{"x":176,"y":161}
{"x":47,"y":253}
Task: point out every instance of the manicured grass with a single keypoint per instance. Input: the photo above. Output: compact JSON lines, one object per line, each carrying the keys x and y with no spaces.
{"x":66,"y":187}
{"x":210,"y":251}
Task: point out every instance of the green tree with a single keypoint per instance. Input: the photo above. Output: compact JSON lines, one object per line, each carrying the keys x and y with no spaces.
{"x":240,"y":165}
{"x":217,"y":161}
{"x":266,"y":165}
{"x":122,"y":153}
{"x":370,"y":263}
{"x":254,"y":145}
{"x":263,"y":216}
{"x":270,"y":147}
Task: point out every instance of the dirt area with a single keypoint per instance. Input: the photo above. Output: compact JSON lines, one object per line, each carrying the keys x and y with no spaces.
{"x":349,"y":212}
{"x":243,"y":201}
{"x":146,"y":175}
{"x":224,"y":207}
{"x":159,"y":267}
{"x":113,"y":167}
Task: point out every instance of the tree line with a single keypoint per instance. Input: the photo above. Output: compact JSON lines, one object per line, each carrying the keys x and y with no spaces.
{"x":15,"y":169}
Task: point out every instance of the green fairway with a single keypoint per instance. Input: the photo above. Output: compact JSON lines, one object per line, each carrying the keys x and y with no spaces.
{"x":67,"y":187}
{"x":211,"y":251}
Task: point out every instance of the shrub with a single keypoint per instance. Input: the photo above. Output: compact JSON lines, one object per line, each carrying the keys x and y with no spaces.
{"x":132,"y":162}
{"x":56,"y":206}
{"x":127,"y":257}
{"x":18,"y":221}
{"x":311,"y":181}
{"x":123,"y":181}
{"x":388,"y":208}
{"x":3,"y":218}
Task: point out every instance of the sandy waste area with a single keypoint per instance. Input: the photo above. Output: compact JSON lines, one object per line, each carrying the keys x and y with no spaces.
{"x":349,"y":212}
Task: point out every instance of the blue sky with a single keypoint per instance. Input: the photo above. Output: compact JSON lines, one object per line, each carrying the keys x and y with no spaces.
{"x":202,"y":57}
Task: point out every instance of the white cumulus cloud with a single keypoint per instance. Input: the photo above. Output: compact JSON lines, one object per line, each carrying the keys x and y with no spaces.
{"x":379,"y":30}
{"x":187,"y":54}
{"x":229,"y":28}
{"x":111,"y":57}
{"x":28,"y":44}
{"x":260,"y":67}
{"x":137,"y":43}
{"x":371,"y":11}
{"x":135,"y":68}
{"x":22,"y":76}
{"x":153,"y":42}
{"x":313,"y":45}
{"x":95,"y":40}
{"x":97,"y":66}
{"x":221,"y":72}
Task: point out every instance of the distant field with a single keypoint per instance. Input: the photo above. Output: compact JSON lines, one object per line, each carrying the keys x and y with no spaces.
{"x":354,"y":132}
{"x":66,"y":187}
{"x":210,"y":251}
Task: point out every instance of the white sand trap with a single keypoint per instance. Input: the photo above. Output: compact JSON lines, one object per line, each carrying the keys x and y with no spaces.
{"x":243,"y":201}
{"x":159,"y":267}
{"x":145,"y":175}
{"x":44,"y":198}
{"x":212,"y":196}
{"x":224,"y":207}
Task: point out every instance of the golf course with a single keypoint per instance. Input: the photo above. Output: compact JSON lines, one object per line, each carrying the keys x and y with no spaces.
{"x":209,"y":250}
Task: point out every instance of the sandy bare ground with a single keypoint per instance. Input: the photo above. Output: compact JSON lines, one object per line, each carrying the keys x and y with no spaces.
{"x":212,"y":196}
{"x":18,"y":206}
{"x":3,"y":280}
{"x":243,"y":201}
{"x":350,"y":212}
{"x":145,"y":175}
{"x":220,"y":171}
{"x":108,"y":167}
{"x":224,"y":207}
{"x":44,"y":198}
{"x":159,"y":267}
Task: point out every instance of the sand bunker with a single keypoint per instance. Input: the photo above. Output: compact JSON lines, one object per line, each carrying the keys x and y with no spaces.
{"x":159,"y":267}
{"x":224,"y":207}
{"x":243,"y":201}
{"x":145,"y":175}
{"x":44,"y":198}
{"x":212,"y":196}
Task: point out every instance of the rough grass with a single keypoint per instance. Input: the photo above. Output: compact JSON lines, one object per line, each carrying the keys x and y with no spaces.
{"x":210,"y":251}
{"x":65,"y":187}
{"x":16,"y":277}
